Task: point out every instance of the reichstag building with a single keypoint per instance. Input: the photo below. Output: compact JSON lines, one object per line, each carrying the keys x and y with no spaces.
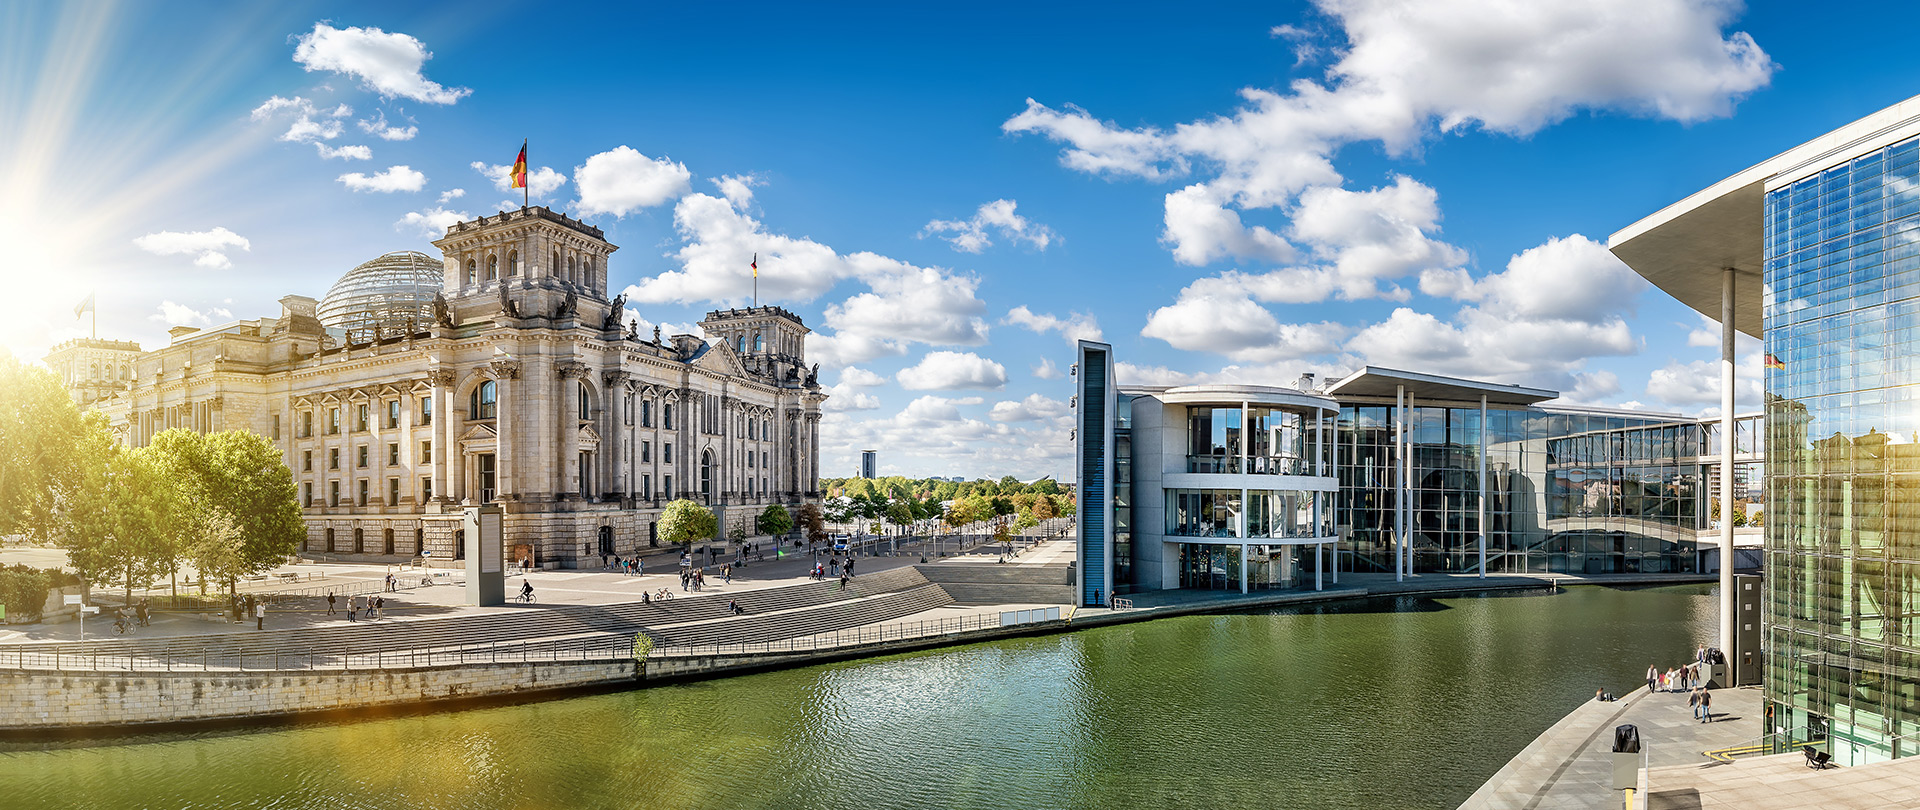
{"x":500,"y":372}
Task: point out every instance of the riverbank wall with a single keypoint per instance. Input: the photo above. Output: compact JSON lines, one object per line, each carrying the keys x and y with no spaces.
{"x":108,"y":702}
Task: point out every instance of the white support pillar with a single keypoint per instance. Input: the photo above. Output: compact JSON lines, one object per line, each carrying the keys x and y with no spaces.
{"x":1243,"y":519}
{"x":1319,"y":564}
{"x":1399,"y":482}
{"x":1728,"y":604}
{"x":1406,"y":479}
{"x":1483,"y":486}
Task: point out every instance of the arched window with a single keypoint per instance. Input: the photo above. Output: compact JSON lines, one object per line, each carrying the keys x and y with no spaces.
{"x":740,"y":344}
{"x":484,"y":401}
{"x":472,"y":273}
{"x":586,"y":272}
{"x":330,"y":541}
{"x":759,"y":342}
{"x":573,"y":269}
{"x":585,"y":410}
{"x":513,"y":263}
{"x":389,"y":543}
{"x":493,"y":267}
{"x":553,"y":269}
{"x":706,"y":475}
{"x":359,"y":541}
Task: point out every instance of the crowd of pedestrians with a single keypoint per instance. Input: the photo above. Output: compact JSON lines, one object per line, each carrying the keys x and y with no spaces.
{"x":1692,"y":678}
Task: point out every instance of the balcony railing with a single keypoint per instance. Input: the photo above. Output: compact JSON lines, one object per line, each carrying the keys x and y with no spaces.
{"x":1257,"y":465}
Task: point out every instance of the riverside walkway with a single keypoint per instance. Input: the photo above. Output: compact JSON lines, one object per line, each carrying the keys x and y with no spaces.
{"x":1571,"y":764}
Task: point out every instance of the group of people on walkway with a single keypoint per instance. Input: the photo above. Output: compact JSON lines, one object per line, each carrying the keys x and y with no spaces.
{"x":373,"y":606}
{"x":1691,"y":678}
{"x":629,"y":566}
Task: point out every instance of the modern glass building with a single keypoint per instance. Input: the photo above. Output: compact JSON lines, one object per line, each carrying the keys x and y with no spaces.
{"x":1241,"y":487}
{"x":1817,"y":251}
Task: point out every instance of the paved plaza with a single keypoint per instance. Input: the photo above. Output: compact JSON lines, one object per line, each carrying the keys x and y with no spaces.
{"x":1571,"y":764}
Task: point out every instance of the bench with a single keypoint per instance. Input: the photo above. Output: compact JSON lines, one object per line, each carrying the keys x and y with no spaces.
{"x":1816,"y":759}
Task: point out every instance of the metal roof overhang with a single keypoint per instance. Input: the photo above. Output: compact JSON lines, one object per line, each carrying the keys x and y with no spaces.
{"x":1685,"y":248}
{"x":1373,"y":381}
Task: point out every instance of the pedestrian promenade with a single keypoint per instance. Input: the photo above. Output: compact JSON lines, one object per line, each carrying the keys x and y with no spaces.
{"x":1571,"y":764}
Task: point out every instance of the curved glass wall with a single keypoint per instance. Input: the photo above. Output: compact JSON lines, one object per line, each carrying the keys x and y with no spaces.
{"x":1218,"y":567}
{"x":1269,"y":513}
{"x":387,"y":293}
{"x":1259,"y":440}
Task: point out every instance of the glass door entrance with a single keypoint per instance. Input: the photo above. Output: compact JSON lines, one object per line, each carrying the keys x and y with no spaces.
{"x":1208,"y":566}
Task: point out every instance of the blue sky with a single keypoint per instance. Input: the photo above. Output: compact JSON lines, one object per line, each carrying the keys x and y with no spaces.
{"x":1372,"y":214}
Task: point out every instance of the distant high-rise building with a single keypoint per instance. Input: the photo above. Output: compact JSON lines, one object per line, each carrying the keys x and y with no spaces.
{"x":869,"y":464}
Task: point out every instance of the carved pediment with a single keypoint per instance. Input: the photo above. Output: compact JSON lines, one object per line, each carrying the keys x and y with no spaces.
{"x":589,"y":438}
{"x":720,"y":358}
{"x":479,"y":431}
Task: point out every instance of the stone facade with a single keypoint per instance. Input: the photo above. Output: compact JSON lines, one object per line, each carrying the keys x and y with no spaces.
{"x":523,"y":386}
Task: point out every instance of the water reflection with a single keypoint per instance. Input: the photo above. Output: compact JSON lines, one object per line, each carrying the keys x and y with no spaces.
{"x":1396,"y":703}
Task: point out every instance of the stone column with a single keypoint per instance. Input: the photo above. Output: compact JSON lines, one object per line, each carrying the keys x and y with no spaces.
{"x":571,"y":375}
{"x":442,"y":381}
{"x":619,"y":436}
{"x":506,"y":375}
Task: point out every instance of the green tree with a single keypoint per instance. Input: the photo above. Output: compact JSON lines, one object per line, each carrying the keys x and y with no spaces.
{"x":1010,"y":485}
{"x":812,"y":523}
{"x":125,"y":518}
{"x":775,"y":520}
{"x":43,"y":443}
{"x":946,"y":491}
{"x":899,"y":513}
{"x":738,"y":533}
{"x":1001,"y":505}
{"x":684,"y":521}
{"x":1063,"y":505}
{"x":1045,"y":486}
{"x":238,"y":511}
{"x":1044,"y":508}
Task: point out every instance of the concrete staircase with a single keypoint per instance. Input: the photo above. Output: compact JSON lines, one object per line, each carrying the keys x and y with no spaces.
{"x":1002,"y":584}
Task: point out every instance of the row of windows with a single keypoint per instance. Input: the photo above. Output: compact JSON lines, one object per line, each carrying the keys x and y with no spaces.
{"x":362,"y":418}
{"x":393,"y":456}
{"x":575,"y":271}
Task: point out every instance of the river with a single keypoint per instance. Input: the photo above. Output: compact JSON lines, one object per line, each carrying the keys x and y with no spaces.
{"x":1387,"y":703}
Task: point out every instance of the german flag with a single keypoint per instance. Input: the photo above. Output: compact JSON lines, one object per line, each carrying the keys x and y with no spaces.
{"x":1774,"y":362}
{"x":520,"y":169}
{"x":755,"y":265}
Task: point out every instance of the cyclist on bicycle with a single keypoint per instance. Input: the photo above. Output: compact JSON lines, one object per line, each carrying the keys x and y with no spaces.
{"x":526,"y":591}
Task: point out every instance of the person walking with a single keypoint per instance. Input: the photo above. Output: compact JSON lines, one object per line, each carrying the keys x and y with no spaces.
{"x":141,"y":611}
{"x":260,"y":615}
{"x":1693,"y":702}
{"x":379,"y":606}
{"x":329,"y":603}
{"x":1706,"y":706}
{"x":1653,"y":677}
{"x":390,"y":587}
{"x":353,"y":607}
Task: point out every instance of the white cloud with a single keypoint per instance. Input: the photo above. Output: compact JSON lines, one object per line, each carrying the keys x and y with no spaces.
{"x":1219,"y":315}
{"x":432,"y":222}
{"x":1046,"y":370}
{"x":834,"y":351}
{"x":976,"y":234}
{"x":844,"y":397}
{"x":1696,"y":384}
{"x":1707,"y":336}
{"x":1077,"y":326}
{"x":1125,"y":373}
{"x":860,"y":378}
{"x":395,"y":178}
{"x":540,"y":182}
{"x":904,"y":304}
{"x":939,"y":431}
{"x":1575,"y":278}
{"x":344,"y":152}
{"x":949,"y":371}
{"x":309,"y":124}
{"x":1374,"y":236}
{"x":622,"y":181}
{"x":1034,"y":407}
{"x":388,"y":64}
{"x":737,"y":188}
{"x":211,"y":246}
{"x":1405,"y":69}
{"x":1592,"y":387}
{"x":452,"y":194}
{"x":1490,"y":345}
{"x":378,"y":127}
{"x":173,"y":314}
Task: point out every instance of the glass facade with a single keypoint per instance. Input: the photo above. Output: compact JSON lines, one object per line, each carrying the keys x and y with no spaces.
{"x":1543,"y":467}
{"x":1842,"y":327}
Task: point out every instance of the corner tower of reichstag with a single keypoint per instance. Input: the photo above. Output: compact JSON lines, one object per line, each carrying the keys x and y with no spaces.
{"x":501,"y":373}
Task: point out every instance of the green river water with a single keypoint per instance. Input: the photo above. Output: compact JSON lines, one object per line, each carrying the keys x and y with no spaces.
{"x":1388,"y":703}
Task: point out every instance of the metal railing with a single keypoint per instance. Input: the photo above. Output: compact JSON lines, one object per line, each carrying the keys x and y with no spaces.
{"x":602,"y":647}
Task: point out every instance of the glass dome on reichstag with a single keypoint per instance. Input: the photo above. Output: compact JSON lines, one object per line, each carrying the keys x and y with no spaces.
{"x":384,"y":292}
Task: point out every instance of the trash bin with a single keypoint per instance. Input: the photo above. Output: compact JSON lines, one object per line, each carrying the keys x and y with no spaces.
{"x":1626,"y":756}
